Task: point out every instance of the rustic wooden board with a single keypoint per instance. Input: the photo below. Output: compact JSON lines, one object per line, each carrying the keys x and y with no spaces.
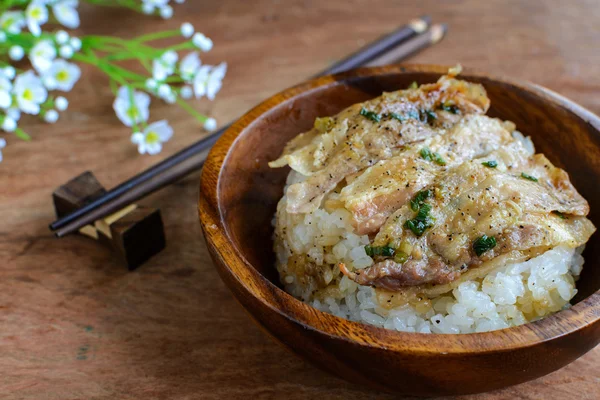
{"x":74,"y":324}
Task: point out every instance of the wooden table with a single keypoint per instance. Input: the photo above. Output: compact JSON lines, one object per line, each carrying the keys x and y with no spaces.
{"x":75,"y":325}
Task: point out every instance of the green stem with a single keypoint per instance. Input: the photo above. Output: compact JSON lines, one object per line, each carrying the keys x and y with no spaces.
{"x":201,"y":118}
{"x":117,"y":3}
{"x":21,"y":134}
{"x":156,"y":36}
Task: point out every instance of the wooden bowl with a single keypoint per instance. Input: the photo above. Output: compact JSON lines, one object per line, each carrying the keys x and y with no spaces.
{"x":239,"y":193}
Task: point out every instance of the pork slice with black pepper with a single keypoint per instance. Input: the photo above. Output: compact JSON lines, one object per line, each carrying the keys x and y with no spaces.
{"x":475,"y":213}
{"x":365,"y":133}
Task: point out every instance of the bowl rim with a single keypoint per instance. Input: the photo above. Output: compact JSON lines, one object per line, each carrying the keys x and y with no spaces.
{"x":576,"y":318}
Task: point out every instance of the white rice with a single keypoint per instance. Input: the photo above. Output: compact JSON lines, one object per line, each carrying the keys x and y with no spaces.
{"x":508,"y":296}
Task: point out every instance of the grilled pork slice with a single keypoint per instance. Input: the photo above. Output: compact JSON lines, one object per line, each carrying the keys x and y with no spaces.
{"x":365,"y":133}
{"x":510,"y":204}
{"x":389,"y":184}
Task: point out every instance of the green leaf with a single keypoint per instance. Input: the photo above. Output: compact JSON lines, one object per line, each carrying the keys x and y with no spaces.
{"x":490,"y":164}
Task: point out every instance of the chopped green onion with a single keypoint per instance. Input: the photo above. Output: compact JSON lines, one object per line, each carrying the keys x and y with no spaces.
{"x":384,"y":251}
{"x":561,"y":215}
{"x":419,"y":198}
{"x":451,"y":108}
{"x":428,"y":155}
{"x":490,"y":164}
{"x":414,"y":114}
{"x":483,"y":244}
{"x":370,"y":115}
{"x":323,"y":124}
{"x":413,"y":85}
{"x":427,"y":116}
{"x":527,"y":176}
{"x":421,"y":222}
{"x":423,"y":211}
{"x":399,"y":117}
{"x":400,"y":257}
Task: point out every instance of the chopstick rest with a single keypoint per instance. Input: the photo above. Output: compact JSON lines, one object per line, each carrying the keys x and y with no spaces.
{"x":135,"y":232}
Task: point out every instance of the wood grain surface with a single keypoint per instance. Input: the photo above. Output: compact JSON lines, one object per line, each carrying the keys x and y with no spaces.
{"x":74,"y":324}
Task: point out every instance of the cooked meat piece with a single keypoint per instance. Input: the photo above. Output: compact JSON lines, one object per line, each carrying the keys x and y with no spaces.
{"x":386,"y":186}
{"x":478,"y":214}
{"x":368,"y":132}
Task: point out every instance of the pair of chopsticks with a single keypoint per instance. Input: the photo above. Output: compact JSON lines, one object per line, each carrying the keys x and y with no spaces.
{"x":398,"y":45}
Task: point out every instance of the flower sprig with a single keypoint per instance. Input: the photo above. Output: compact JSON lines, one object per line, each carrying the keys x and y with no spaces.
{"x":165,"y":73}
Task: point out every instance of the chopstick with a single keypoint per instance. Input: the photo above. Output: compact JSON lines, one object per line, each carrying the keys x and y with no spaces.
{"x":402,"y":42}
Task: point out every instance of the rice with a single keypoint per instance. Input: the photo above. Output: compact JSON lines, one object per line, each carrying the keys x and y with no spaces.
{"x":309,"y":247}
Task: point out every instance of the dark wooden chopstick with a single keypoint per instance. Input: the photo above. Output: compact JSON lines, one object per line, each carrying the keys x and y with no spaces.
{"x":406,"y":49}
{"x":192,"y":157}
{"x":380,"y":46}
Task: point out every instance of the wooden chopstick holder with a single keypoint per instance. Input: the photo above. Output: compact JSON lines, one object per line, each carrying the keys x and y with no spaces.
{"x":135,"y":232}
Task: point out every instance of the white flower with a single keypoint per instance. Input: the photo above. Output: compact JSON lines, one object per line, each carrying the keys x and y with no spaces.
{"x":9,"y":124}
{"x":49,"y":82}
{"x":186,"y":92}
{"x":208,"y":80}
{"x":16,"y":53}
{"x":189,"y":65}
{"x":36,"y":14}
{"x":2,"y":145}
{"x":210,"y":124}
{"x":202,"y":42}
{"x":171,"y":98}
{"x":2,"y":36}
{"x":166,"y":93}
{"x":164,"y":90}
{"x":128,"y":111}
{"x":187,"y":30}
{"x":51,"y":116}
{"x":65,"y":11}
{"x":14,"y":113}
{"x":12,"y":21}
{"x":42,"y":55}
{"x":170,"y":57}
{"x":150,"y":141}
{"x":75,"y":43}
{"x":179,"y":1}
{"x":147,"y":8}
{"x":30,"y":92}
{"x":61,"y":75}
{"x":151,"y":84}
{"x":61,"y":103}
{"x":61,"y":37}
{"x":156,"y":3}
{"x":166,"y":12}
{"x":66,"y":51}
{"x":164,"y":66}
{"x":5,"y":96}
{"x":9,"y":71}
{"x":200,"y":80}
